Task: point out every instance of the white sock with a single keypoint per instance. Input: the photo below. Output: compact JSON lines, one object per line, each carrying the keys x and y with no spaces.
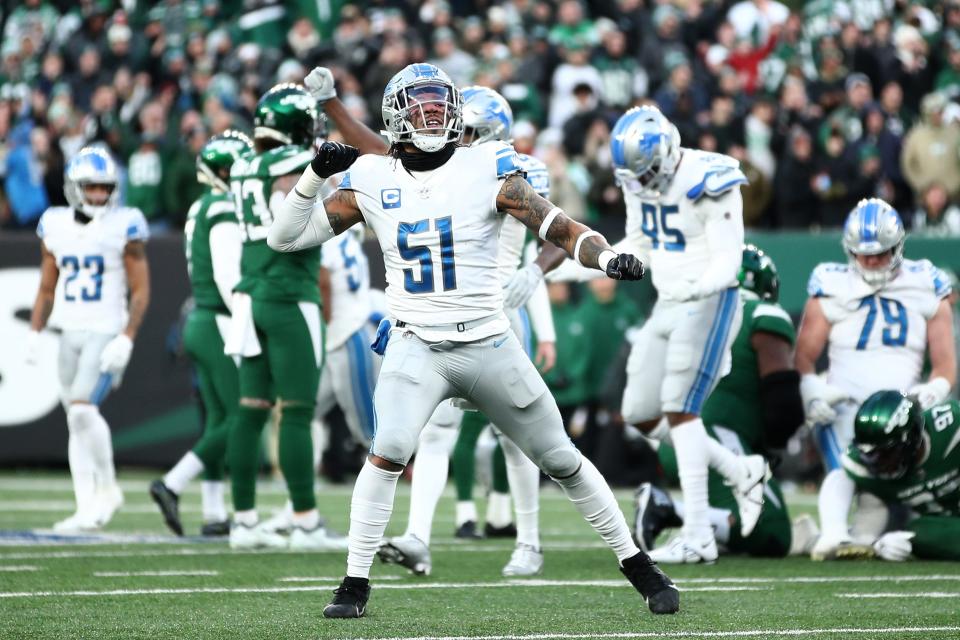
{"x":725,"y":462}
{"x":690,"y":442}
{"x":430,"y":471}
{"x":661,"y":432}
{"x":308,"y":520}
{"x":524,"y":477}
{"x":836,"y":495}
{"x":499,"y":511}
{"x":94,"y":436}
{"x":719,"y":520}
{"x":82,"y":472}
{"x":370,"y":511}
{"x":466,"y":512}
{"x":592,"y":497}
{"x":247,"y":518}
{"x":188,"y":468}
{"x":212,"y":498}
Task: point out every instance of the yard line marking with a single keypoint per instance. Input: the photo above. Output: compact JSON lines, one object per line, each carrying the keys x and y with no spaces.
{"x":13,"y":568}
{"x":328,"y":578}
{"x":152,"y":574}
{"x":764,"y":633}
{"x":326,"y":587}
{"x":921,"y":594}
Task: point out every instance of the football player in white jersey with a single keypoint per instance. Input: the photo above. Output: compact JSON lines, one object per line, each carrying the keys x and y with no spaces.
{"x":436,"y":208}
{"x":684,"y":211}
{"x":879,"y":314}
{"x":98,"y":248}
{"x":487,"y":117}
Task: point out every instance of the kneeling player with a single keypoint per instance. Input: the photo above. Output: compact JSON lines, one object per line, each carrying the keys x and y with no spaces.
{"x":906,"y":456}
{"x":755,"y":407}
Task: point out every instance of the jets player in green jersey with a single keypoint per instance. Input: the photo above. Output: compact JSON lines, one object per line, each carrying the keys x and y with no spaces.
{"x":277,"y":327}
{"x":909,"y":457}
{"x":754,"y":408}
{"x":213,"y":248}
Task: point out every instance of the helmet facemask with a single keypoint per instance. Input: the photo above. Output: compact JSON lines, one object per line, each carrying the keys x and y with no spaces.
{"x":874,"y":228}
{"x":426,"y":114}
{"x":646,"y":151}
{"x":91,"y":167}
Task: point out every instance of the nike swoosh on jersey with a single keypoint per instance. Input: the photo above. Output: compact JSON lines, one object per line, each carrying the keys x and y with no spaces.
{"x":497,"y":343}
{"x":954,"y":442}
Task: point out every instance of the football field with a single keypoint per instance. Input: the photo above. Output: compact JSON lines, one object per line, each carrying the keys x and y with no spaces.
{"x":136,"y":581}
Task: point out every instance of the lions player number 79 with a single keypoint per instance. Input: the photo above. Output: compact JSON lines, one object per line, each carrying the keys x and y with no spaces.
{"x":421,"y":253}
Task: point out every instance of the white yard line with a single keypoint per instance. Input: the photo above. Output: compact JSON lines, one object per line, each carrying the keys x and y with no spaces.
{"x":920,"y":594}
{"x":329,"y":579}
{"x":13,"y":568}
{"x":151,"y":574}
{"x":751,"y":633}
{"x":506,"y":584}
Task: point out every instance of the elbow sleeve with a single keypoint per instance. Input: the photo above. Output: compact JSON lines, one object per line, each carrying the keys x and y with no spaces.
{"x":301,"y":223}
{"x":781,"y":406}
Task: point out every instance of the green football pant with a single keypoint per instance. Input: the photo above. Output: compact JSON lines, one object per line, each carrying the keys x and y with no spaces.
{"x":772,"y":535}
{"x":464,"y":456}
{"x":219,"y":386}
{"x":936,"y":537}
{"x":287,"y":372}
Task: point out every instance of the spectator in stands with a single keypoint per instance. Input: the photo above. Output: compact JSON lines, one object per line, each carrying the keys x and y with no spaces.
{"x":621,"y":76}
{"x":680,"y":99}
{"x":586,"y":112}
{"x":930,"y":149}
{"x":24,"y":184}
{"x":758,"y":131}
{"x":837,"y":171}
{"x":458,"y":64}
{"x":795,"y":201}
{"x":573,"y":29}
{"x":936,"y":216}
{"x":574,"y":71}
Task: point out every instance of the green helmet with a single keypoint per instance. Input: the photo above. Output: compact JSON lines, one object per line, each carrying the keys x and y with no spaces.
{"x":217,"y":156}
{"x":287,"y":114}
{"x":887,"y":433}
{"x":759,"y":274}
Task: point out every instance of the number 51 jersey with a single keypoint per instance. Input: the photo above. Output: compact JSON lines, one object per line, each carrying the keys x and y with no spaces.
{"x":438,"y":231}
{"x":92,"y":285}
{"x":878,"y":336}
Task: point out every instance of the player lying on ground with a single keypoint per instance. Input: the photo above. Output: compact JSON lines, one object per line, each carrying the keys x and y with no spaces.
{"x":436,"y":209}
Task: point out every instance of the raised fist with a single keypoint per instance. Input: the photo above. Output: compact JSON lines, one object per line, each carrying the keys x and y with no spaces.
{"x":333,"y":157}
{"x":625,"y":267}
{"x":319,"y":83}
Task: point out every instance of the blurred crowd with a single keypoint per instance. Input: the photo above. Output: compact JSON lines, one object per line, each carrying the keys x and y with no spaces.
{"x":823,"y":102}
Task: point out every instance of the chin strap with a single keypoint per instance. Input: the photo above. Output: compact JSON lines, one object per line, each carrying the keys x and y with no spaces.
{"x":421,"y":160}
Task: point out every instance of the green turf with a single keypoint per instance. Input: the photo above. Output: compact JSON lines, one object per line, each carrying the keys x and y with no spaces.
{"x":44,"y":603}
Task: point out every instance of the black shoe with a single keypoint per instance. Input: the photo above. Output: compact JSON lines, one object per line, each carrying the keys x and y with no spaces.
{"x":656,"y":588}
{"x":655,"y":512}
{"x":468,"y":530}
{"x":509,"y":531}
{"x":169,"y":504}
{"x":215,"y":529}
{"x":349,"y":599}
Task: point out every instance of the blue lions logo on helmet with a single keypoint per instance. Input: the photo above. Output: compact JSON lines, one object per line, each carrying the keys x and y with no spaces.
{"x":486,"y":115}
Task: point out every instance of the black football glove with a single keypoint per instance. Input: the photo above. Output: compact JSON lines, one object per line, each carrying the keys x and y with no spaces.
{"x":333,"y":157}
{"x":625,"y":267}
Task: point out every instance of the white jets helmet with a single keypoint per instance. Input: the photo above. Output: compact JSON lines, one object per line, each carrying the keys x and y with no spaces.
{"x":91,"y":165}
{"x":874,"y":227}
{"x":646,"y":149}
{"x":404,"y":99}
{"x":488,"y":114}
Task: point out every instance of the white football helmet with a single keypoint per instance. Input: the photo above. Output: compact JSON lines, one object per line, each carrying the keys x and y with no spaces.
{"x":412,"y":96}
{"x":92,"y":165}
{"x":646,"y":149}
{"x":874,"y":227}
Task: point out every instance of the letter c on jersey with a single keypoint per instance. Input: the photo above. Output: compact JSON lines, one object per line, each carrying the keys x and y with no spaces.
{"x":390,"y":198}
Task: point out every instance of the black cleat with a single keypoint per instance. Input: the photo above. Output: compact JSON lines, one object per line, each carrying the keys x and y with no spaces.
{"x":655,"y":512}
{"x":349,"y":599}
{"x":169,"y":504}
{"x":657,"y":589}
{"x":468,"y":531}
{"x":509,"y":531}
{"x":215,"y":529}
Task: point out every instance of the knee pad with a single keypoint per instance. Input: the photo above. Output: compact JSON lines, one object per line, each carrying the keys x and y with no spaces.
{"x":561,"y":461}
{"x":395,"y":445}
{"x":81,"y":417}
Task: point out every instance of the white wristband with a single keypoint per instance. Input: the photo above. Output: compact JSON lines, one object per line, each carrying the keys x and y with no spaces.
{"x":576,"y":248}
{"x":309,"y":183}
{"x":604,"y":258}
{"x":547,"y":221}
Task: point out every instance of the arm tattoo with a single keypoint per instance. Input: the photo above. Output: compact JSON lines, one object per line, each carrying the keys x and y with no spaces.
{"x":342,"y":210}
{"x":518,"y":199}
{"x":590,"y":250}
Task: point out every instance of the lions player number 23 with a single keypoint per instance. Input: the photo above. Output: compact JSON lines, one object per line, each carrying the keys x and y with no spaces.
{"x":421,"y":253}
{"x":655,"y":225}
{"x":895,"y":321}
{"x":93,"y":264}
